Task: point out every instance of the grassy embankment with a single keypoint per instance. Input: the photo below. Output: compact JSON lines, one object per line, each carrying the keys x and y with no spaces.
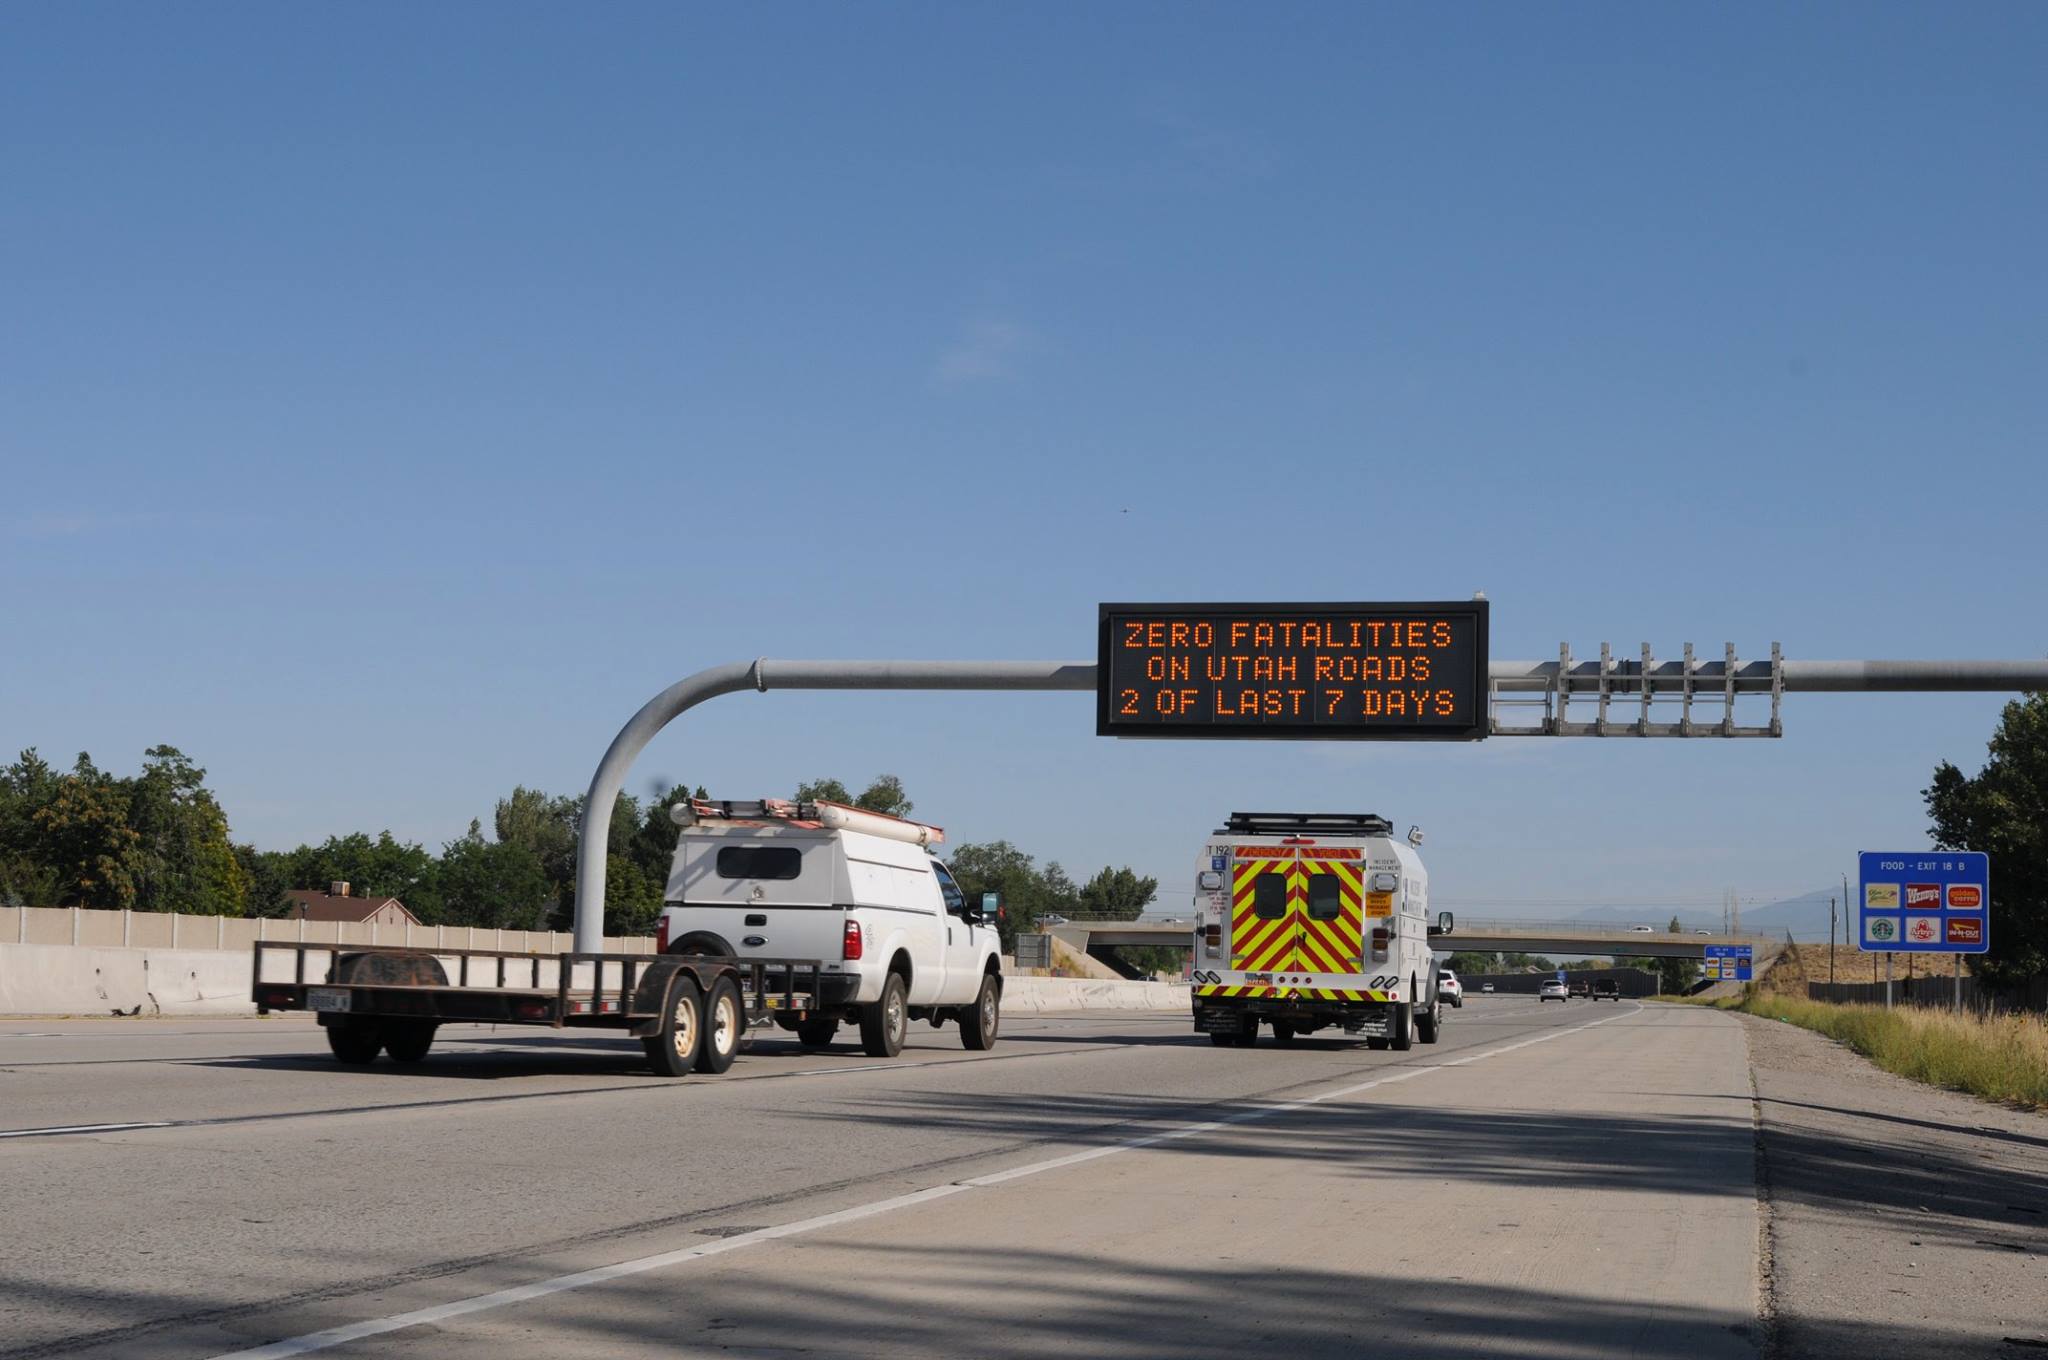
{"x":2003,"y":1058}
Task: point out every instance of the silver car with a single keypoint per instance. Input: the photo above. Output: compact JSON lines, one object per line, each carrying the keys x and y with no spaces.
{"x":1553,"y":990}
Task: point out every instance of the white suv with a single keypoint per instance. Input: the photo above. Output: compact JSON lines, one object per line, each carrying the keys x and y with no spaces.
{"x":1448,"y":988}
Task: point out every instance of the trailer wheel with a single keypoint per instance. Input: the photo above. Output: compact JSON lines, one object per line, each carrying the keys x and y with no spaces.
{"x":1282,"y":1033}
{"x":1402,"y":1037}
{"x":673,"y":1052}
{"x":1429,"y":1024}
{"x":407,"y":1041}
{"x":725,"y":1021}
{"x":884,"y":1024}
{"x":979,"y":1022}
{"x":816,"y":1033}
{"x":355,"y":1041}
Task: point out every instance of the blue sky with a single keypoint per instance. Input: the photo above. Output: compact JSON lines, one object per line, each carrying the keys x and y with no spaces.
{"x":392,"y":398}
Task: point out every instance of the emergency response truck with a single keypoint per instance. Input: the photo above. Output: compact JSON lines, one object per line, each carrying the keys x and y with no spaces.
{"x":1310,"y":921}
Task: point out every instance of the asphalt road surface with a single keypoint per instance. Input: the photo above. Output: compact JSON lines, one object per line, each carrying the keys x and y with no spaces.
{"x":1571,"y":1181}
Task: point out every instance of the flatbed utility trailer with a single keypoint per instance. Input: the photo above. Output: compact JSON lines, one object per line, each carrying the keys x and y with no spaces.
{"x":689,"y":1012}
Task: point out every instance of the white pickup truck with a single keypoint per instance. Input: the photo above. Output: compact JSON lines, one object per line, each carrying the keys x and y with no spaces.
{"x":860,"y":892}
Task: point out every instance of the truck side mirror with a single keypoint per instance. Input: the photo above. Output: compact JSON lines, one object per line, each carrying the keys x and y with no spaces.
{"x":1443,"y":924}
{"x":990,"y":908}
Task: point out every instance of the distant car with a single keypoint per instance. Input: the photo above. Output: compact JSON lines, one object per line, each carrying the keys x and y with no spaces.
{"x":1580,"y":987}
{"x":1703,"y":932}
{"x":1449,"y":988}
{"x":1606,"y":989}
{"x":1552,"y":990}
{"x":1645,"y":930}
{"x":1486,"y":986}
{"x":1052,"y":920}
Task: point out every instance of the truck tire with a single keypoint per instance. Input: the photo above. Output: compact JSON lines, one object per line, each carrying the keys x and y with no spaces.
{"x":1223,"y":1040}
{"x":817,"y":1033}
{"x":407,"y":1041}
{"x":1282,"y":1033}
{"x":1402,"y":1037}
{"x":725,"y":1020}
{"x":883,"y":1025}
{"x":979,"y":1022}
{"x":673,"y":1052}
{"x":355,"y":1042}
{"x":1428,"y":1025}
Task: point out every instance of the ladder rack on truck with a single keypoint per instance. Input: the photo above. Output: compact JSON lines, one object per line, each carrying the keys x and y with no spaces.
{"x":688,"y":1011}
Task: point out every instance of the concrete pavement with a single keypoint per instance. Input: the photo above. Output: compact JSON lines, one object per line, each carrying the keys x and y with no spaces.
{"x":1576,"y":1195}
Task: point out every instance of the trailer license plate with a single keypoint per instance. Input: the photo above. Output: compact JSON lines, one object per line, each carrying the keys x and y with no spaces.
{"x":326,"y":999}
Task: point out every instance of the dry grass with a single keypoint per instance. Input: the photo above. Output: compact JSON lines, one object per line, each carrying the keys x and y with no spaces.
{"x":2002,"y":1058}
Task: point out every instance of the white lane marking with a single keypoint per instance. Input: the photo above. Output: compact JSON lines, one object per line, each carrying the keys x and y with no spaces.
{"x":397,"y":1322}
{"x":79,"y":1128}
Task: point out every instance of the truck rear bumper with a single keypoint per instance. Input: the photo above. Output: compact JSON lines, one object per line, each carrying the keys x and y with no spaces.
{"x":1228,"y":1014}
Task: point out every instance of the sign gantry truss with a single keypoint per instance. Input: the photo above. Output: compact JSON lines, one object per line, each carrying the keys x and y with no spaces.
{"x":1697,"y":697}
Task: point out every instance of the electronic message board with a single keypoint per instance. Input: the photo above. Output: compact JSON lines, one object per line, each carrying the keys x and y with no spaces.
{"x":1361,"y":671}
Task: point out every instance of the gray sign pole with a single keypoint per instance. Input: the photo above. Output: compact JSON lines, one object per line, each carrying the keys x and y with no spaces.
{"x":764,"y":675}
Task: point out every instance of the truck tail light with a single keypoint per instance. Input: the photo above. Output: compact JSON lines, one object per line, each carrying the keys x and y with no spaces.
{"x":1380,"y":936}
{"x":1212,"y":937}
{"x":661,"y":934}
{"x":850,"y":945}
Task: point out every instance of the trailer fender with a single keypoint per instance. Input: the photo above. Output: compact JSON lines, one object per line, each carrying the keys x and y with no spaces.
{"x":651,"y":993}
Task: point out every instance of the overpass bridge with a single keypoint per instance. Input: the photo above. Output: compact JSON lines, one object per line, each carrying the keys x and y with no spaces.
{"x":1568,"y":939}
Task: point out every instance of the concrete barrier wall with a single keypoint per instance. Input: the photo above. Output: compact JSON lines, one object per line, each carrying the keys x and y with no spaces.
{"x":1032,"y":995}
{"x":55,"y":979}
{"x":169,"y":930}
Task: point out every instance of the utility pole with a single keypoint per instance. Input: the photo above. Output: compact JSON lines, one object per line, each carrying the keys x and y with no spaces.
{"x":1831,"y":940}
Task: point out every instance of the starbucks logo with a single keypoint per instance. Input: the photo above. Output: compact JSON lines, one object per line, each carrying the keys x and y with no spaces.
{"x":1883,"y":930}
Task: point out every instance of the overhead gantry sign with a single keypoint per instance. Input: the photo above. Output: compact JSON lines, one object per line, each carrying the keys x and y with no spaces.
{"x":1318,"y":649}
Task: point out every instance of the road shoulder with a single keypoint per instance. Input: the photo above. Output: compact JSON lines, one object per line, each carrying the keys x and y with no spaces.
{"x":1904,"y":1220}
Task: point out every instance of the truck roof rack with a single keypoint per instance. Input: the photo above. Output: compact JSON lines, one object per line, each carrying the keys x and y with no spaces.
{"x":1296,"y":823}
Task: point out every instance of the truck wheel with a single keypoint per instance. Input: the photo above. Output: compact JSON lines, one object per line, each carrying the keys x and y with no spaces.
{"x":1428,"y":1025}
{"x":978,"y":1025}
{"x":883,"y":1025}
{"x":673,"y":1052}
{"x":407,"y":1041}
{"x":1223,"y":1040}
{"x":1403,"y":1036}
{"x":355,"y":1041}
{"x":725,"y":1021}
{"x":1282,"y":1034}
{"x":817,"y":1033}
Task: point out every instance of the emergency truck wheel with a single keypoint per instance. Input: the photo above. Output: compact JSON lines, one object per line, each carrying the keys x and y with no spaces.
{"x":1428,"y":1025}
{"x":1402,"y":1035}
{"x":1223,"y":1040}
{"x":884,"y":1024}
{"x":673,"y":1052}
{"x":724,"y":1022}
{"x":355,"y":1041}
{"x":407,"y":1041}
{"x":1282,"y":1034}
{"x":979,"y":1023}
{"x":817,"y":1033}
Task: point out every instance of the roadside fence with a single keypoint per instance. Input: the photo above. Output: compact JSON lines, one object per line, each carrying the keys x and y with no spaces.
{"x":1937,"y":993}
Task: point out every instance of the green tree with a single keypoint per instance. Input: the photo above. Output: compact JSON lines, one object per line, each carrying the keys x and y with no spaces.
{"x":268,"y":873}
{"x":83,"y":838}
{"x":1676,"y":976}
{"x":383,"y":866}
{"x":884,"y":794}
{"x":2003,"y":811}
{"x":544,"y":827}
{"x":1465,"y":962}
{"x":491,"y":884}
{"x":1118,"y":894}
{"x":27,"y":878}
{"x":183,"y":860}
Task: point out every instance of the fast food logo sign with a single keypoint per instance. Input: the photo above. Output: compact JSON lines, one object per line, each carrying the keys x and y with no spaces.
{"x":1359,"y":671}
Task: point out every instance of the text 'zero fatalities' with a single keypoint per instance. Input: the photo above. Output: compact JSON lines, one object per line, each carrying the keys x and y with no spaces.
{"x":1368,"y":671}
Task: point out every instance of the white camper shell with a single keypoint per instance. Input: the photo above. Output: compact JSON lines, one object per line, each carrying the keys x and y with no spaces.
{"x":859,"y":891}
{"x":1308,"y":921}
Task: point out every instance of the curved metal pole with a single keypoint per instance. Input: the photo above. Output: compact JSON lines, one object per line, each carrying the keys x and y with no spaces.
{"x":763,"y":675}
{"x":664,"y":708}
